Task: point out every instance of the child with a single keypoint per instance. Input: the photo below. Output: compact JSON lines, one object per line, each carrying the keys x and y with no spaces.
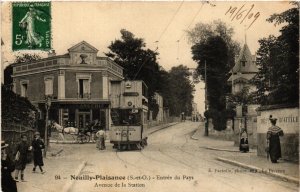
{"x":21,"y":157}
{"x":38,"y":145}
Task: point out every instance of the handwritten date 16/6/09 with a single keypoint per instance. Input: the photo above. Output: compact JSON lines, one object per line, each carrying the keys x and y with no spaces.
{"x":243,"y":14}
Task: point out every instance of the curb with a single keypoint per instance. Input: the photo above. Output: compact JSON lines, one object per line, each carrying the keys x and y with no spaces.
{"x":219,"y":149}
{"x":67,"y":187}
{"x":260,"y":170}
{"x":228,"y":150}
{"x":196,"y":132}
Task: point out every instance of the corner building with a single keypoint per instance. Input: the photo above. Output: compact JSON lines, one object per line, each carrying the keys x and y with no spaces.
{"x":78,"y":84}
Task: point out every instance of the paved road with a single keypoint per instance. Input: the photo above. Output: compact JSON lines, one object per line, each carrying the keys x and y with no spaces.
{"x":171,"y":162}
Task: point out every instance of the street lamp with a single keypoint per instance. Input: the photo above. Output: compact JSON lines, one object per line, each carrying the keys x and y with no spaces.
{"x":46,"y":138}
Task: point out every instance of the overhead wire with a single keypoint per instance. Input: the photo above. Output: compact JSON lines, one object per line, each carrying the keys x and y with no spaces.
{"x":178,"y":41}
{"x":171,"y":20}
{"x":193,"y":20}
{"x":163,"y":32}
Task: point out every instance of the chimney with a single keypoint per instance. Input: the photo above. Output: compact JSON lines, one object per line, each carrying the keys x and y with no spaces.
{"x":51,"y":53}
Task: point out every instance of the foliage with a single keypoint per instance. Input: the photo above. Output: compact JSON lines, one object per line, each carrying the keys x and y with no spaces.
{"x":242,"y":97}
{"x":140,"y":63}
{"x":16,"y":109}
{"x":181,"y":90}
{"x":27,"y":57}
{"x":23,"y":58}
{"x":213,"y":45}
{"x":213,"y":52}
{"x":202,"y":32}
{"x":277,"y":81}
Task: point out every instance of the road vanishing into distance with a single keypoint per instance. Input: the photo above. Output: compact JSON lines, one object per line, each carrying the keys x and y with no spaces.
{"x":172,"y":161}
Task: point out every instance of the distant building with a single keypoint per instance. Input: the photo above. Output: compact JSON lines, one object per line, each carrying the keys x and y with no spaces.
{"x":243,"y":71}
{"x":78,"y":82}
{"x":159,"y":100}
{"x":195,"y":114}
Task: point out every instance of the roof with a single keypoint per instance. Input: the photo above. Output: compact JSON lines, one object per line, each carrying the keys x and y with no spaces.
{"x":43,"y":59}
{"x":83,"y":46}
{"x":249,"y":59}
{"x":246,"y":76}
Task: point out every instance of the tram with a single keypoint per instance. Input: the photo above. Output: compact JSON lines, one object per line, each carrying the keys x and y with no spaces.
{"x":128,"y":130}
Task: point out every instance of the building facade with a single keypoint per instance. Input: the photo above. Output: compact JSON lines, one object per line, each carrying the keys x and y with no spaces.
{"x":78,"y":84}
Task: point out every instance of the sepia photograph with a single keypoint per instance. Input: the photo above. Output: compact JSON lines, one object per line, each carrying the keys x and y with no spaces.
{"x":149,"y":96}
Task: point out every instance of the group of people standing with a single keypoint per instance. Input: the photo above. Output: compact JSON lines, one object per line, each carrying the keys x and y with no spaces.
{"x":18,"y":164}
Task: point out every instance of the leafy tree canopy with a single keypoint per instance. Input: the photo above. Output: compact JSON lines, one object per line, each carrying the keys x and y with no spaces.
{"x":139,"y":63}
{"x":277,"y":81}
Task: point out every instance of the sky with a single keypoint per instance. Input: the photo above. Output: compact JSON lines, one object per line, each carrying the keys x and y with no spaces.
{"x":162,"y":25}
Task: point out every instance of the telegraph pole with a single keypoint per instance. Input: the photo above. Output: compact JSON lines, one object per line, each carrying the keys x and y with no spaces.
{"x":46,"y":139}
{"x":206,"y":121}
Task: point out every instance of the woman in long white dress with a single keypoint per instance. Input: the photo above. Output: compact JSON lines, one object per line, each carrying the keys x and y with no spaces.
{"x":28,"y":22}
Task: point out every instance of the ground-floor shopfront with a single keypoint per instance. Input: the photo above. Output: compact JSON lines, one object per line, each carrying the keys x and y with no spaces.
{"x":78,"y":114}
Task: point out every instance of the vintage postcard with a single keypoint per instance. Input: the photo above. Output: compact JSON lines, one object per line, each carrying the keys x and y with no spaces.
{"x":156,"y":96}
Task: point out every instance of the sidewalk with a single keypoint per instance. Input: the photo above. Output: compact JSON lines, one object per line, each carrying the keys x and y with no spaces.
{"x":57,"y":176}
{"x":230,"y":154}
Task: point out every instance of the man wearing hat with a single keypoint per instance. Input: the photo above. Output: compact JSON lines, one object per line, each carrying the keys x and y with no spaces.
{"x":8,"y":184}
{"x":273,"y":141}
{"x":38,"y":145}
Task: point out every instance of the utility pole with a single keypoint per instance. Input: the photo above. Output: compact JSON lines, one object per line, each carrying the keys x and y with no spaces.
{"x":46,"y":139}
{"x":206,"y":121}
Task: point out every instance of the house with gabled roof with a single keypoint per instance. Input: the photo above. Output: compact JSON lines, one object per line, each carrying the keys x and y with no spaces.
{"x":243,"y":71}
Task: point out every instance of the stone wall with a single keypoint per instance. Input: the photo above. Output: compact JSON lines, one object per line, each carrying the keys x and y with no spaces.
{"x":288,"y":120}
{"x":226,"y":134}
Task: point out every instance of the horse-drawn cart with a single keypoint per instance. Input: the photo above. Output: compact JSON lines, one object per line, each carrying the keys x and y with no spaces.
{"x":78,"y":135}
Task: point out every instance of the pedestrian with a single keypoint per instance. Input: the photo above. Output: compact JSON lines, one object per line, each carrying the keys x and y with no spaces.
{"x":22,"y":151}
{"x":95,"y":129}
{"x":273,"y":140}
{"x":37,"y":146}
{"x":244,"y":145}
{"x":101,"y":139}
{"x":8,"y":184}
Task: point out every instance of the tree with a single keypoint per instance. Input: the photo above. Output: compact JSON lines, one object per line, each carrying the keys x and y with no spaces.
{"x":202,"y":32}
{"x":213,"y":45}
{"x":16,"y":109}
{"x":24,"y":58}
{"x":213,"y":52}
{"x":181,"y":89}
{"x":139,"y":63}
{"x":277,"y":81}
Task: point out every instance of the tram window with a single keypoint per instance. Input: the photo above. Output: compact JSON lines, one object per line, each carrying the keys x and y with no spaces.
{"x":125,"y":117}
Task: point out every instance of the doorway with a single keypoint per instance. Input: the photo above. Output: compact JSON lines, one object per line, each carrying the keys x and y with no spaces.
{"x":84,"y":119}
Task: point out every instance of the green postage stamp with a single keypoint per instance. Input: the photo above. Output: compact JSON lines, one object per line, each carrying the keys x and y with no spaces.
{"x":31,"y":26}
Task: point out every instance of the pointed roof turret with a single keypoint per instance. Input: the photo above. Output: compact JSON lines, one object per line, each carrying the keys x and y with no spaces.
{"x":245,"y":62}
